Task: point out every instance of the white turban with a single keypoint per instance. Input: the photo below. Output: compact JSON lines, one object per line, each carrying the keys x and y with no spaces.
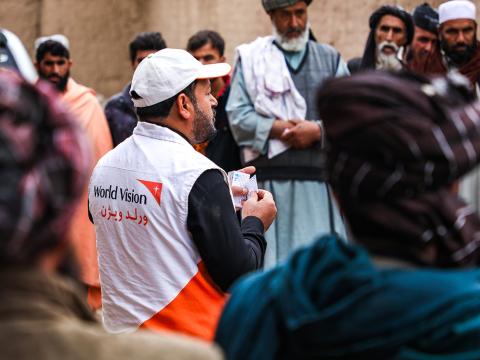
{"x":457,"y":9}
{"x":62,"y":39}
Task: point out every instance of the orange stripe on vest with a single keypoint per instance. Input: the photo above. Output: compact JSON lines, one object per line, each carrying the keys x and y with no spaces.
{"x":194,"y":311}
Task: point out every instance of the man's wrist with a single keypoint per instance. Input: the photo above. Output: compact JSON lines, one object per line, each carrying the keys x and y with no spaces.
{"x":322,"y":131}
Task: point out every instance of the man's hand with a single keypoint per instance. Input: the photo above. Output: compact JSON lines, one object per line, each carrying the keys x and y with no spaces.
{"x":261,"y":205}
{"x":302,"y":135}
{"x":279,"y":127}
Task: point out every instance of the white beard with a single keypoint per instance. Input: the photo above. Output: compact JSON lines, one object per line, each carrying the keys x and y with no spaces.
{"x":295,"y":44}
{"x":388,"y":62}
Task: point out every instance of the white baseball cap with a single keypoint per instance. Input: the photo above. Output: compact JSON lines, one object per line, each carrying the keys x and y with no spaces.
{"x":456,"y":9}
{"x":167,"y":72}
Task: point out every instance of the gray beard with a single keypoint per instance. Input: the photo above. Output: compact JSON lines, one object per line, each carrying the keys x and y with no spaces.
{"x":295,"y":44}
{"x":388,"y":62}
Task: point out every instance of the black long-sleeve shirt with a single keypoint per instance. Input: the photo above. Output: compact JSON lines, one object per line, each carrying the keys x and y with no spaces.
{"x":228,"y":250}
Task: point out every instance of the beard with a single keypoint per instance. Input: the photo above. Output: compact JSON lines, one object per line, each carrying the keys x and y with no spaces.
{"x":292,"y":44}
{"x":203,"y":125}
{"x":388,"y":62}
{"x":457,"y":55}
{"x":61,"y":85}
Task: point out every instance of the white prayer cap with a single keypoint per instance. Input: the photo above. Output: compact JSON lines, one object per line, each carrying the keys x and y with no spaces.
{"x":62,"y":39}
{"x":457,"y":9}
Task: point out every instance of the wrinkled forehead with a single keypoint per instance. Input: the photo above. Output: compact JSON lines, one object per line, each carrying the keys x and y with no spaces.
{"x":391,"y":21}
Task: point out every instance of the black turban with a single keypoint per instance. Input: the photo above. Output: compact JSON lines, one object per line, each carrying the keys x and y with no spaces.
{"x":426,"y":18}
{"x":368,"y":59}
{"x":397,"y":142}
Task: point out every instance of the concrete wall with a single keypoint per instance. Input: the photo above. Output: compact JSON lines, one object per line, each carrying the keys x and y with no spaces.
{"x":100,"y":30}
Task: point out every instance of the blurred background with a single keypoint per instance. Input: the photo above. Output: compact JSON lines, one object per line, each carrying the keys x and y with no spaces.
{"x":100,"y":30}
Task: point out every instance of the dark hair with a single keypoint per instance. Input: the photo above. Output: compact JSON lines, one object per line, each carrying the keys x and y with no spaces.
{"x":53,"y":47}
{"x":162,"y":109}
{"x":146,"y":41}
{"x":203,"y":37}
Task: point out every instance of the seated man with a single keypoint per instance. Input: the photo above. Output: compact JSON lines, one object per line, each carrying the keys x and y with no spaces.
{"x":395,"y":147}
{"x":44,"y":158}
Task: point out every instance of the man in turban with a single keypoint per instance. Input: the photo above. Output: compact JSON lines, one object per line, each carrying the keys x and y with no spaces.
{"x":273,"y":118}
{"x":391,"y":30}
{"x":394,"y":156}
{"x":459,"y":47}
{"x":425,"y":39}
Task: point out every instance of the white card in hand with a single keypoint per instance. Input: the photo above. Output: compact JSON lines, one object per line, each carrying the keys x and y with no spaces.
{"x":240,"y":179}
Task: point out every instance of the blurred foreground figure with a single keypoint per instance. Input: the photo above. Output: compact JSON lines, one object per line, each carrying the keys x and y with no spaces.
{"x":397,"y":143}
{"x":44,"y":157}
{"x":396,"y":146}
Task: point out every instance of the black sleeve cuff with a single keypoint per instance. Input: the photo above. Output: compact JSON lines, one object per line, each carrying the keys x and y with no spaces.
{"x":252,"y":224}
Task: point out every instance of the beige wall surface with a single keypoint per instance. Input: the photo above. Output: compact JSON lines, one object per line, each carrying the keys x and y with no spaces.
{"x":100,"y":30}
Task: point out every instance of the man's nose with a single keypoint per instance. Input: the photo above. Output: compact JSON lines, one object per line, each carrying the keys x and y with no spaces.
{"x":461,"y":37}
{"x":389,"y":35}
{"x":213,"y":101}
{"x":294,"y":22}
{"x":429,"y":46}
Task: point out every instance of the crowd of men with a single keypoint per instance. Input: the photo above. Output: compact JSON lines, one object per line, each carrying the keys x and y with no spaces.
{"x":362,"y":241}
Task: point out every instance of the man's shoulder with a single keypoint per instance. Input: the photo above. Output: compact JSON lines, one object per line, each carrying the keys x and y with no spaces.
{"x":120,"y":99}
{"x":79,"y":89}
{"x":254,"y":46}
{"x":324,"y":49}
{"x":73,"y":336}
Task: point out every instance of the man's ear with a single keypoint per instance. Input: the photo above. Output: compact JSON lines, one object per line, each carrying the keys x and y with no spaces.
{"x":222,"y":59}
{"x":37,"y":65}
{"x":184,"y":106}
{"x":70,"y":63}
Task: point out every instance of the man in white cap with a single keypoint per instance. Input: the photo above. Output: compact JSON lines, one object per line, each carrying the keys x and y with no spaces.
{"x":459,"y":48}
{"x":168,"y":239}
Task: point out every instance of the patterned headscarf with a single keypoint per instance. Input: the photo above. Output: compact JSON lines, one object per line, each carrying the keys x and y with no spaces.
{"x":396,"y":145}
{"x":44,"y":158}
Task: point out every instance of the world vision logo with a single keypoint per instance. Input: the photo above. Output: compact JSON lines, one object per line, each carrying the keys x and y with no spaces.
{"x":154,"y":187}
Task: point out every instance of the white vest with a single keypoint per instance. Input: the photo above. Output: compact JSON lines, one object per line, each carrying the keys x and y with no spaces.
{"x":139,"y":202}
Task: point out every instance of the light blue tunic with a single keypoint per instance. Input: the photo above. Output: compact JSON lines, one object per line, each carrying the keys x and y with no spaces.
{"x":302,"y":206}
